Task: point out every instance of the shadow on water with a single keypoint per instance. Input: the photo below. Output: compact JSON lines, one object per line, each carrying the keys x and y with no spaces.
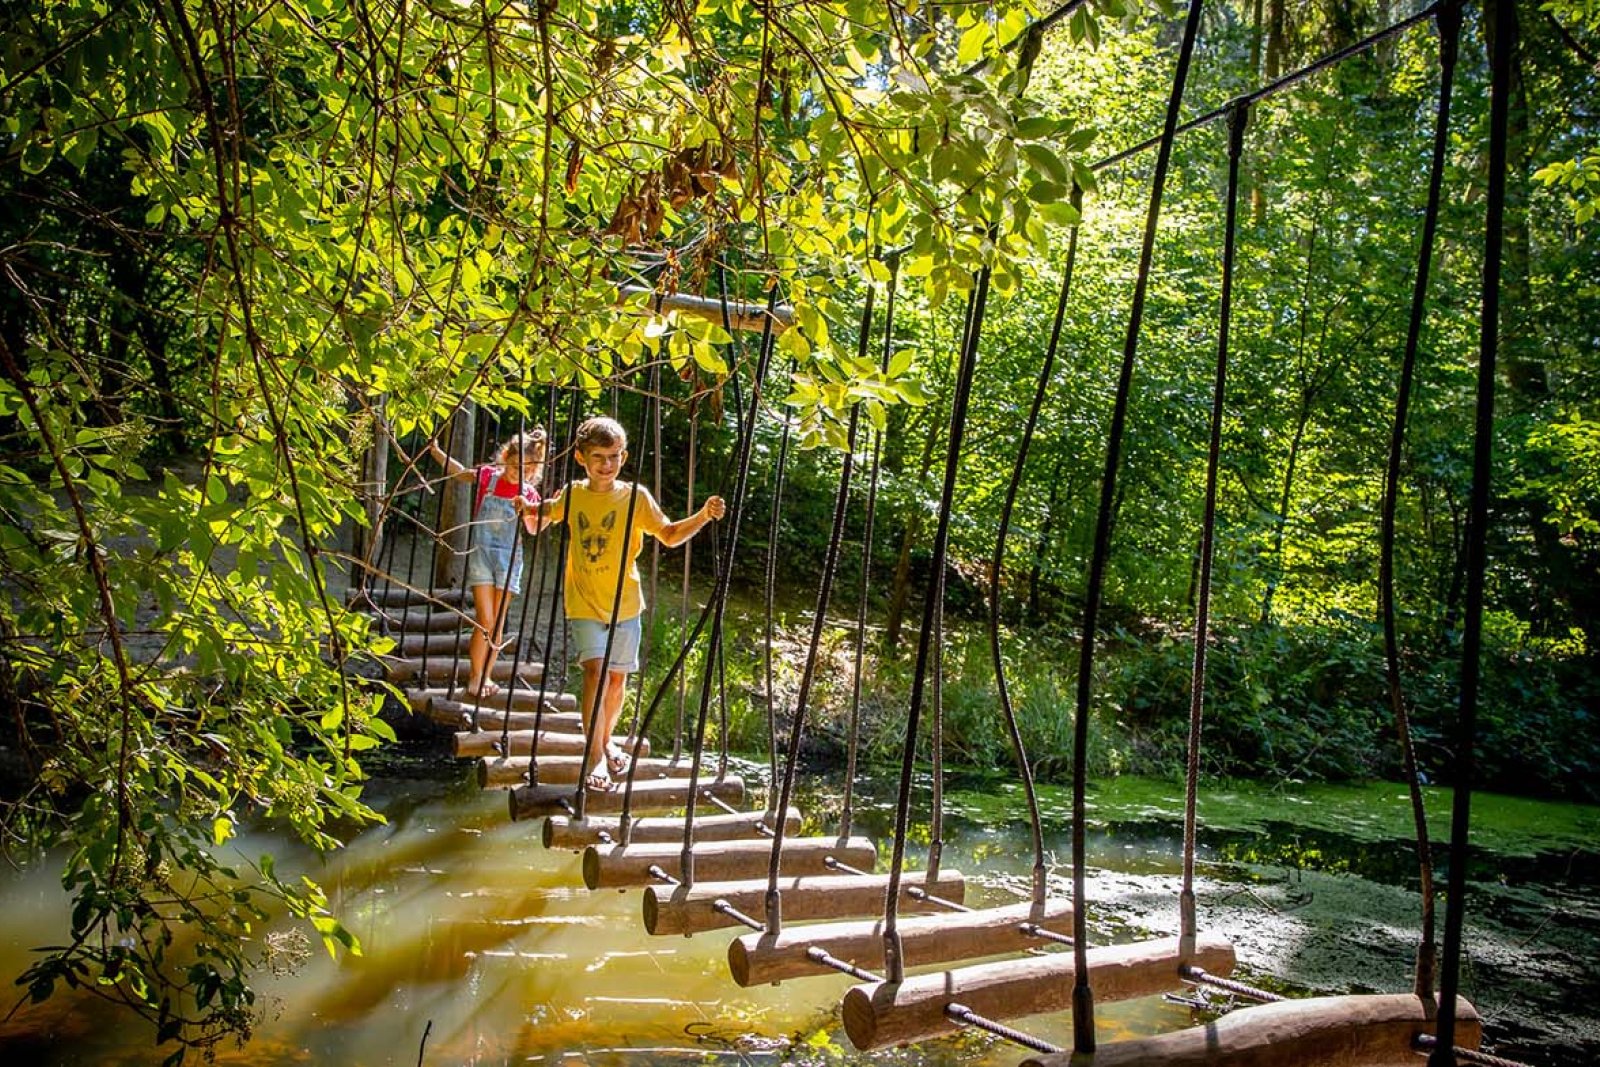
{"x":480,"y":939}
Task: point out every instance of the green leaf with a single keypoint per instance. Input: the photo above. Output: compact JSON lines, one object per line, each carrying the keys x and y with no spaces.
{"x":970,"y":50}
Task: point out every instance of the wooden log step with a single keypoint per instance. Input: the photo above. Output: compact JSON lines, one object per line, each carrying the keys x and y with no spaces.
{"x":471,"y":744}
{"x":661,"y":795}
{"x":398,"y":596}
{"x":450,"y":646}
{"x":608,"y":866}
{"x":1349,"y":1031}
{"x":461,"y":716}
{"x":499,"y":772}
{"x":692,"y":909}
{"x":562,"y":831}
{"x":757,"y":959}
{"x":879,"y":1014}
{"x":525,"y":697}
{"x":402,"y":669}
{"x":441,"y":619}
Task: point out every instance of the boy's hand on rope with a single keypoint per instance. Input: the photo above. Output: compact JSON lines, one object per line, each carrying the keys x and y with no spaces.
{"x":714,"y":508}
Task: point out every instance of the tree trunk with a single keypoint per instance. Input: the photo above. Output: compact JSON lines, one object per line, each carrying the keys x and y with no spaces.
{"x":1519,"y":340}
{"x":1567,"y":567}
{"x":449,"y":561}
{"x":1277,"y":38}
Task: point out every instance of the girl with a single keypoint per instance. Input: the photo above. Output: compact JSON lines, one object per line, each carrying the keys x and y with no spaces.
{"x":506,"y":492}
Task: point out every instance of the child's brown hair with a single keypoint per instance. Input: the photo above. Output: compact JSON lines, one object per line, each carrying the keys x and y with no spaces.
{"x":530,"y":446}
{"x":601,"y":431}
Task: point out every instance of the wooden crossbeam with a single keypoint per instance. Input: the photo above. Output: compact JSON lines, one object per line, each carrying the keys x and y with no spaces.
{"x":692,"y":909}
{"x":666,"y":794}
{"x":1351,"y":1031}
{"x":499,"y":772}
{"x":721,"y":861}
{"x":879,"y":1014}
{"x":566,"y":832}
{"x":757,"y":959}
{"x":471,"y":744}
{"x":741,"y":315}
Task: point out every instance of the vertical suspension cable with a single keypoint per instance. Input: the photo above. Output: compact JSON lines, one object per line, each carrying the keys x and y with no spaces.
{"x":1477,"y":529}
{"x":1187,"y":932}
{"x":1448,"y":20}
{"x":556,"y":608}
{"x":852,"y":743}
{"x":648,"y":649}
{"x":773,"y":528}
{"x":1082,"y":997}
{"x":535,"y":564}
{"x":819,"y":623}
{"x":602,"y":685}
{"x":1013,"y":728}
{"x":688,"y":551}
{"x":719,"y":596}
{"x":894,"y":956}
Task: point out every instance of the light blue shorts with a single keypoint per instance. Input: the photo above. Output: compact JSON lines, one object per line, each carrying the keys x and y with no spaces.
{"x":590,"y":637}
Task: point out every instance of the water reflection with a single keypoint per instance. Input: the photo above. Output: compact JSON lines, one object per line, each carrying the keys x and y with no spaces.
{"x":481,"y":947}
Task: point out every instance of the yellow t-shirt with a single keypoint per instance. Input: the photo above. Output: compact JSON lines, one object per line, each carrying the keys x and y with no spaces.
{"x":595,"y":553}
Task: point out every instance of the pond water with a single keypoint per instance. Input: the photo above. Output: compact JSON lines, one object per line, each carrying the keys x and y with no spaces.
{"x":481,"y":947}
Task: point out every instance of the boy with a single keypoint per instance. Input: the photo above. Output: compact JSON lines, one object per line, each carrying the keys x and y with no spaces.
{"x":596,"y":512}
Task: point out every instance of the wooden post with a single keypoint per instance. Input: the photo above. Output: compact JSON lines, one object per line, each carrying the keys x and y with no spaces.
{"x":449,"y":561}
{"x":756,"y":959}
{"x":368,"y":543}
{"x":1354,"y":1031}
{"x":691,"y":909}
{"x":878,"y":1014}
{"x":563,"y":832}
{"x":605,"y":866}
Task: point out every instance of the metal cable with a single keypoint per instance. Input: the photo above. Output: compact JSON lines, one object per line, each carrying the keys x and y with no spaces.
{"x":1187,"y":932}
{"x":1008,"y":711}
{"x":830,"y":567}
{"x":1449,"y":24}
{"x":894,"y":957}
{"x":1477,"y":554}
{"x":967,"y":1017}
{"x":1082,"y":997}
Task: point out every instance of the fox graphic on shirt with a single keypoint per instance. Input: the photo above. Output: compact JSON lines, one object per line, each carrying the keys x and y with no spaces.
{"x":593,"y":539}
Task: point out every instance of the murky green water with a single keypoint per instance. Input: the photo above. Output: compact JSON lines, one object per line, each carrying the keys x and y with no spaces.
{"x":481,"y":947}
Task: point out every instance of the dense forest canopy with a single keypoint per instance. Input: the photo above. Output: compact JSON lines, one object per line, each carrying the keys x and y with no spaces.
{"x":241,"y":237}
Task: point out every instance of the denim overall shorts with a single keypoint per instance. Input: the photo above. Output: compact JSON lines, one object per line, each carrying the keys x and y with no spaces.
{"x":494,"y":545}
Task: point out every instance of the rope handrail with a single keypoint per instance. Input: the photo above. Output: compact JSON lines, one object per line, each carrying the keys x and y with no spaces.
{"x":1273,"y":88}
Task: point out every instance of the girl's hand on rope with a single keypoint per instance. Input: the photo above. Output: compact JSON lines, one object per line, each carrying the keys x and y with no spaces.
{"x":714,"y":508}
